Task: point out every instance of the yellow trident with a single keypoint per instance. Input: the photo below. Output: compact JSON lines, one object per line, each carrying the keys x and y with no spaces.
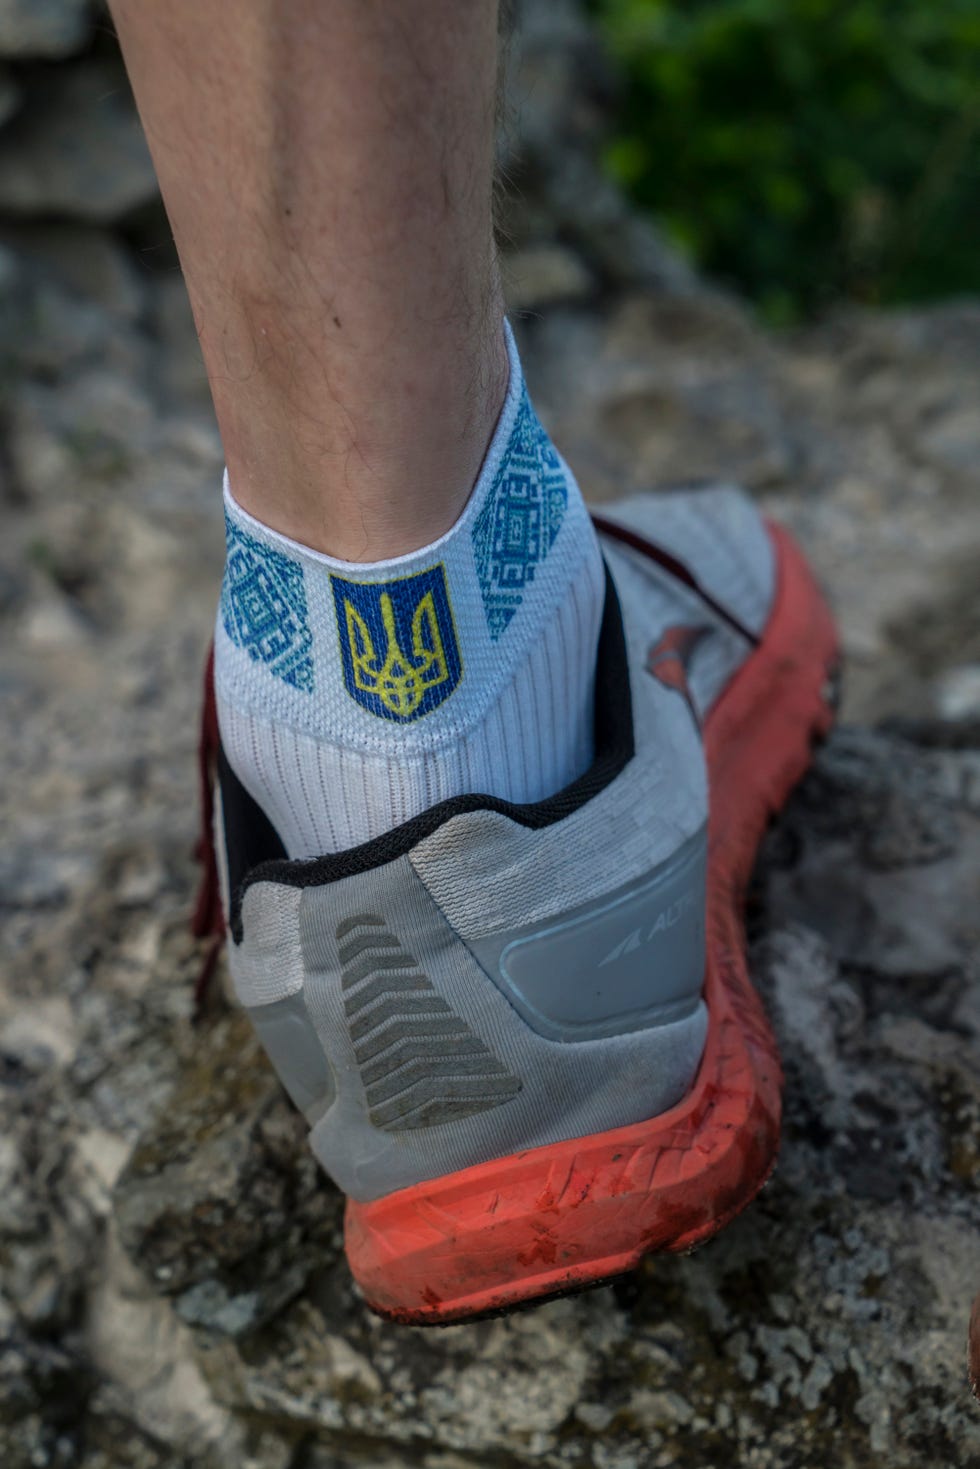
{"x":399,"y":684}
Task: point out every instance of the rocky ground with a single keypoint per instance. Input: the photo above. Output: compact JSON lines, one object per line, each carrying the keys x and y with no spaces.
{"x":172,"y":1289}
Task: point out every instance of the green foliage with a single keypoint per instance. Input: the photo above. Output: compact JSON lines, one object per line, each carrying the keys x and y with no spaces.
{"x":805,"y":150}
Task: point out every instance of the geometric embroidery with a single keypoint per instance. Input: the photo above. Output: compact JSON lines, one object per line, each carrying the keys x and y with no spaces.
{"x":523,"y":513}
{"x":398,"y":644}
{"x":263,"y":608}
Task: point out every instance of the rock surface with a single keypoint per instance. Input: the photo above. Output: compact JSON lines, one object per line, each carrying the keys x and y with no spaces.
{"x":172,"y":1287}
{"x":49,"y":28}
{"x":75,"y":148}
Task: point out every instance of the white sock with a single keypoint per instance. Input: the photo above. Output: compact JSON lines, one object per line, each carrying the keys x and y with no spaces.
{"x":352,"y":697}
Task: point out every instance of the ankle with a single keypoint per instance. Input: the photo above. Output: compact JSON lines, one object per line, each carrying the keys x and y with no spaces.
{"x":352,"y":697}
{"x":396,"y":467}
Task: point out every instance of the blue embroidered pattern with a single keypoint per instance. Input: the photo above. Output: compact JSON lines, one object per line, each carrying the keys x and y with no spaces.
{"x":517,"y":526}
{"x":398,"y":643}
{"x":263,"y":608}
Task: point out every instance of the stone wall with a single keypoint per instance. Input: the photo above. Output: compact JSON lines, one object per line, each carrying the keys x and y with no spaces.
{"x":172,"y":1290}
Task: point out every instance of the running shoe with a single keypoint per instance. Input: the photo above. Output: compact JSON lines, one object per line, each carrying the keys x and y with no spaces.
{"x":524,"y":1036}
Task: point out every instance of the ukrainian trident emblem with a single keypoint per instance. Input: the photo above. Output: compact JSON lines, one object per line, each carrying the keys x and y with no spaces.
{"x":398,"y":643}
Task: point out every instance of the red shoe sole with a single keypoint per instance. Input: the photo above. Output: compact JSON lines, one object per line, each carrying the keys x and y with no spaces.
{"x":573,"y":1214}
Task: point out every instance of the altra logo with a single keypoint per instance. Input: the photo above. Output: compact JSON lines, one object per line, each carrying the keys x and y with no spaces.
{"x":645,"y":933}
{"x":669,"y":659}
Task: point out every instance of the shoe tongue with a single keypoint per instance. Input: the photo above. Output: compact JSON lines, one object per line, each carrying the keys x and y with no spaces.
{"x":676,"y":568}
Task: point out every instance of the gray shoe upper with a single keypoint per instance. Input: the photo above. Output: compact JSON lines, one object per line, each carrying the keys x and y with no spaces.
{"x":500,"y":983}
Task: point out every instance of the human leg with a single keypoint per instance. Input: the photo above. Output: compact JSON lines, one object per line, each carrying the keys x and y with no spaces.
{"x":516,"y":1014}
{"x":328,"y":169}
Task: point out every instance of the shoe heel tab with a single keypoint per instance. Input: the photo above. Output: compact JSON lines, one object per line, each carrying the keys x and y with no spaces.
{"x":260,"y":855}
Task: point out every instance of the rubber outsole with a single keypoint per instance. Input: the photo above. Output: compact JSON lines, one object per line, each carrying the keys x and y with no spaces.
{"x":562,"y":1218}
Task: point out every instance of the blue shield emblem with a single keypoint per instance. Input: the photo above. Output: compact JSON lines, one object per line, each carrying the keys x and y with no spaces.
{"x":398,"y":643}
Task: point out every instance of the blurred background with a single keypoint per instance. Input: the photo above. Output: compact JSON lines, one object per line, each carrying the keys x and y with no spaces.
{"x":804,"y":152}
{"x":741,"y":240}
